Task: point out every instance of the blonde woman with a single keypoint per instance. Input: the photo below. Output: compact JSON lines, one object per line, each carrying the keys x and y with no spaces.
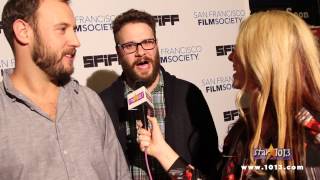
{"x":277,"y":68}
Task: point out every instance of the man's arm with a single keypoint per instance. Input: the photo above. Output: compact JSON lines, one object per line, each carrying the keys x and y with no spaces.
{"x":113,"y":153}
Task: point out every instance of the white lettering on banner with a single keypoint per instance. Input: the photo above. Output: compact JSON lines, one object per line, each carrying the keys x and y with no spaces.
{"x":217,"y":84}
{"x":236,"y":20}
{"x":94,"y":23}
{"x":219,"y":17}
{"x":217,"y":80}
{"x":271,"y":167}
{"x":181,"y":50}
{"x":180,"y":54}
{"x":94,"y":19}
{"x":186,"y":57}
{"x":7,"y":64}
{"x":93,"y":27}
{"x":219,"y":13}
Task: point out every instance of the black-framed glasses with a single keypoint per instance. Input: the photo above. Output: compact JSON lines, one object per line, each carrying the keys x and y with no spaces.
{"x":132,"y":47}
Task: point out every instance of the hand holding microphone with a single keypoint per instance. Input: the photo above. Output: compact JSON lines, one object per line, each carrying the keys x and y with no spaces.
{"x":150,"y":141}
{"x":153,"y":143}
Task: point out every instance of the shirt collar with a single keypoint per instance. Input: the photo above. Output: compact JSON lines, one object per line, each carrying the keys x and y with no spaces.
{"x":9,"y":88}
{"x":160,"y":85}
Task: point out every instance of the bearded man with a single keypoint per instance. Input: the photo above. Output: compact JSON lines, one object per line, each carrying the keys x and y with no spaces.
{"x":50,"y":126}
{"x":179,"y":106}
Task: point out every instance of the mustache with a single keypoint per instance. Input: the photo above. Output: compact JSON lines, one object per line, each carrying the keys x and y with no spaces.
{"x":142,"y":60}
{"x":70,"y":51}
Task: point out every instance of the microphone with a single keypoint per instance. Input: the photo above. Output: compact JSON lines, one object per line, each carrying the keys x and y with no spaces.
{"x":140,"y":100}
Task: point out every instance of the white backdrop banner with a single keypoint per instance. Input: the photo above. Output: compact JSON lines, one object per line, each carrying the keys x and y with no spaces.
{"x":194,"y":37}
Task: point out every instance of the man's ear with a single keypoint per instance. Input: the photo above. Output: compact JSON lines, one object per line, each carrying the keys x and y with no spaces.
{"x":22,"y":31}
{"x":119,"y":54}
{"x":118,"y":50}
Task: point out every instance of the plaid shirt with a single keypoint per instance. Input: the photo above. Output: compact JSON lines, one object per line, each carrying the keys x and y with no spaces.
{"x":138,"y":168}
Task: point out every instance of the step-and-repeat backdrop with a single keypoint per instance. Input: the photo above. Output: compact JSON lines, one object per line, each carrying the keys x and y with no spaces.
{"x":195,"y":38}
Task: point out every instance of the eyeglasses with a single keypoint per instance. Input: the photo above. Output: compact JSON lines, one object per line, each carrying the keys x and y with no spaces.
{"x":132,"y":47}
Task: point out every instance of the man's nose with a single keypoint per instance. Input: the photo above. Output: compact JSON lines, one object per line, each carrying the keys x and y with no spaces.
{"x":140,"y":51}
{"x":74,"y":40}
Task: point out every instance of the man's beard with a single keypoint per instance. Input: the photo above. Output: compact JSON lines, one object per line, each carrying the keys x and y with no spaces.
{"x":50,"y":62}
{"x":133,"y":77}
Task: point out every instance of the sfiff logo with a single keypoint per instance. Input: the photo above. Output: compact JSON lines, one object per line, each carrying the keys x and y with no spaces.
{"x":164,"y":20}
{"x":223,"y":50}
{"x":230,"y":115}
{"x":103,"y":60}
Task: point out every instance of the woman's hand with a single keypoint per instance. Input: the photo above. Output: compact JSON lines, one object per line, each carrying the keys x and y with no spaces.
{"x":152,"y":142}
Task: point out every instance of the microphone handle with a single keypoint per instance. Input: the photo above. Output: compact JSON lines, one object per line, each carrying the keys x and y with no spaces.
{"x":144,"y":112}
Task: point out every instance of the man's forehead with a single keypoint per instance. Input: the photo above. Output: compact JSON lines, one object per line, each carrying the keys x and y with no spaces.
{"x":135,"y":31}
{"x":48,"y":6}
{"x":55,"y":10}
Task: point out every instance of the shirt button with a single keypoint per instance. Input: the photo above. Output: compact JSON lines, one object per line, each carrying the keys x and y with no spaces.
{"x":65,"y":152}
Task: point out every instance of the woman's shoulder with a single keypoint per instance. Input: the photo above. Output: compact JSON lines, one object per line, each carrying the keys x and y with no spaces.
{"x":237,"y":132}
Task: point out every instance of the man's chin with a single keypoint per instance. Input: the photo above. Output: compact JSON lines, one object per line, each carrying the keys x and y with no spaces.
{"x":143,"y":72}
{"x":142,"y":75}
{"x":148,"y":80}
{"x":145,"y":76}
{"x":62,"y":78}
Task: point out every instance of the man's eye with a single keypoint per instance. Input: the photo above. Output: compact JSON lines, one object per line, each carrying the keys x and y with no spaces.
{"x":63,"y":29}
{"x":147,"y":42}
{"x":129,"y":46}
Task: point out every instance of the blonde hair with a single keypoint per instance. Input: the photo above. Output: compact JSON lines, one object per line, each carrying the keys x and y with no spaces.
{"x":281,"y":61}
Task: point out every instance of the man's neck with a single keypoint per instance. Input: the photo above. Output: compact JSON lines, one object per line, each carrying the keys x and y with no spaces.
{"x":28,"y":78}
{"x":36,"y":86}
{"x":31,"y":80}
{"x":154,"y":84}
